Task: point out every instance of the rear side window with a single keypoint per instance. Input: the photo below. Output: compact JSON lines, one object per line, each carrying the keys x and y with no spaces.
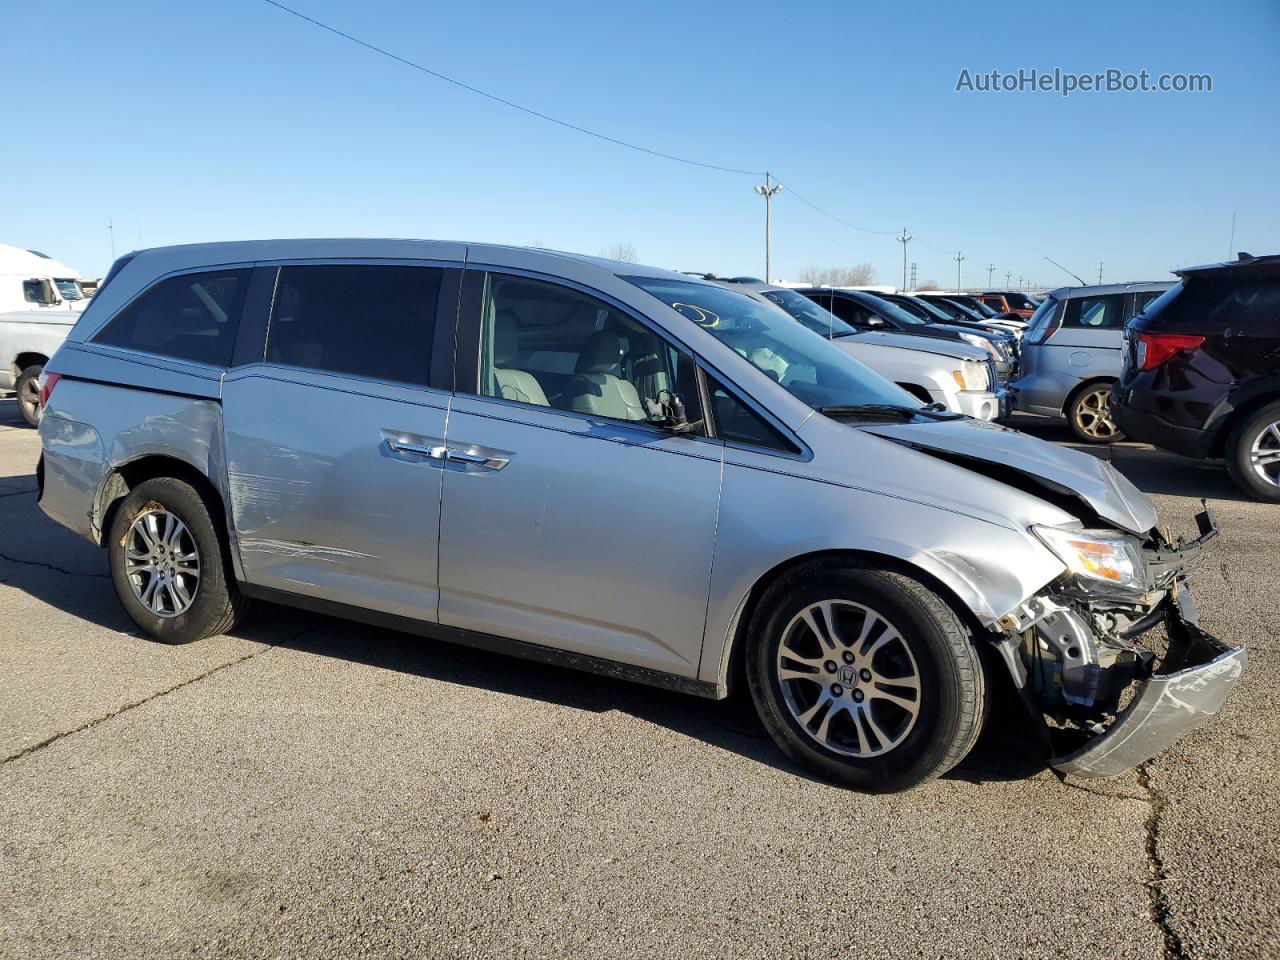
{"x":189,"y":317}
{"x":1220,"y":301}
{"x":370,"y":321}
{"x":1095,"y":313}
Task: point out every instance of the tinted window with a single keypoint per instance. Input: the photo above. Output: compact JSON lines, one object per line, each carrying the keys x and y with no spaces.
{"x":737,"y":422}
{"x":851,"y":312}
{"x":1095,"y":313}
{"x":809,"y":313}
{"x":1019,"y":301}
{"x":1220,"y":301}
{"x":34,"y":291}
{"x":370,"y":321}
{"x":815,"y":371}
{"x":552,"y":346}
{"x":191,"y":317}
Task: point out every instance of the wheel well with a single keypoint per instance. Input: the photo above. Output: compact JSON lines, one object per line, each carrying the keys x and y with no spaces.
{"x":149,"y":468}
{"x":737,"y":664}
{"x":24,"y":360}
{"x":1080,"y":388}
{"x":1224,"y":430}
{"x":917,"y":391}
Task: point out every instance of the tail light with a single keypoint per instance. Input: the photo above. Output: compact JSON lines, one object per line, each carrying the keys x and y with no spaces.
{"x":47,"y":382}
{"x":1155,"y":348}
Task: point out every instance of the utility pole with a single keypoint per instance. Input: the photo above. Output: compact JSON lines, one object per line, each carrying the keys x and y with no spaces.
{"x":958,"y":258}
{"x":1008,"y":278}
{"x":1019,"y":283}
{"x":904,"y":240}
{"x":111,"y":229}
{"x":1231,"y":247}
{"x":1099,"y":272}
{"x":991,"y":268}
{"x":767,"y":191}
{"x":914,"y":282}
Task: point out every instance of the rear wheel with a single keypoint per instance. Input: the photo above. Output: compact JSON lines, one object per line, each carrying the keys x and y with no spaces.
{"x":1089,"y":415}
{"x":169,"y":564}
{"x":1253,"y":453}
{"x":28,"y":388}
{"x":866,"y":677}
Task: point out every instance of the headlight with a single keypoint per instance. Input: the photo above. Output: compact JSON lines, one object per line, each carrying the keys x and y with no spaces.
{"x":1097,"y":556}
{"x":976,"y":341}
{"x":971,"y":376}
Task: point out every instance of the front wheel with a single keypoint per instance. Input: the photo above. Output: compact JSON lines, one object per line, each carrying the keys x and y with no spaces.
{"x":28,"y":389}
{"x":169,"y":565}
{"x":864,"y":676}
{"x":1253,"y":453}
{"x":1089,"y":415}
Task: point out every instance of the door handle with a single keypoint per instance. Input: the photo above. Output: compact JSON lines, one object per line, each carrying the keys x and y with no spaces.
{"x":421,"y":450}
{"x":476,"y":459}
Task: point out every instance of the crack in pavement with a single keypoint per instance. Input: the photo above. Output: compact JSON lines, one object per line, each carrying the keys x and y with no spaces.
{"x":1159,"y":906}
{"x":53,"y":566}
{"x":27,"y":751}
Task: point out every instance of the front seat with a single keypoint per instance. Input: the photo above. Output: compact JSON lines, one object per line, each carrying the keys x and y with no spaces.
{"x":512,"y":384}
{"x":595,"y":389}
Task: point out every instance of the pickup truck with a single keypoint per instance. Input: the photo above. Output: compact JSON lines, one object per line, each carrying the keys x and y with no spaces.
{"x":28,"y":338}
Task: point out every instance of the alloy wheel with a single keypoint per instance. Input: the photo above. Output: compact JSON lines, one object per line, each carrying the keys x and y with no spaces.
{"x":1093,"y":414}
{"x":1264,"y":454}
{"x":162,"y":562}
{"x":848,"y":678}
{"x":29,"y":399}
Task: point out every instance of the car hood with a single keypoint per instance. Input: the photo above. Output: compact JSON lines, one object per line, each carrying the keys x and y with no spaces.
{"x":905,"y":341}
{"x":1013,"y":457}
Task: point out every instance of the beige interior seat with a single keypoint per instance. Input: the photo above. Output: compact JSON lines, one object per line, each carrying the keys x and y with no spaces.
{"x":596,"y":389}
{"x":513,"y":384}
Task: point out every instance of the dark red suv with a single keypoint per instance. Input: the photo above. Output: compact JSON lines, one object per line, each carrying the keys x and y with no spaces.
{"x":1201,"y":370}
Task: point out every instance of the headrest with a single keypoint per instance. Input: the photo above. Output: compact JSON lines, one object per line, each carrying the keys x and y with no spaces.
{"x":601,"y":354}
{"x":506,"y":338}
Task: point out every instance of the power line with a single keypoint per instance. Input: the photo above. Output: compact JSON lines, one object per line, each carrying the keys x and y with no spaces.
{"x":510,"y":103}
{"x":832,"y":216}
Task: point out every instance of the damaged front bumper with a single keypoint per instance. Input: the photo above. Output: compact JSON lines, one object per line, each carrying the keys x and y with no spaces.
{"x":1072,"y":656}
{"x":1186,"y":689}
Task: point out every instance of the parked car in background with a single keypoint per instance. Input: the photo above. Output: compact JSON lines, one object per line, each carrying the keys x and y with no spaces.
{"x":40,"y":300}
{"x":1009,"y":301}
{"x":1072,"y":353}
{"x":874,"y":311}
{"x":1201,"y":373}
{"x":959,"y":313}
{"x":579,"y":461}
{"x":985,"y":310}
{"x":953,"y":376}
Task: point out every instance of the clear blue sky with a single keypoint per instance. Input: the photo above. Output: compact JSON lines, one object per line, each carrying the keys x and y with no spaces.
{"x":230,"y":119}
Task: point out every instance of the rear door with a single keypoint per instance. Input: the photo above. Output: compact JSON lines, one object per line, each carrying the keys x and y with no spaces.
{"x":335,"y":429}
{"x":568,"y":519}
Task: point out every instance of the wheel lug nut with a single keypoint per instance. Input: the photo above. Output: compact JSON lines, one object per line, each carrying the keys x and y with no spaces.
{"x":848,"y":657}
{"x":830,"y":666}
{"x":866,"y":675}
{"x":837,"y":690}
{"x":857,"y":696}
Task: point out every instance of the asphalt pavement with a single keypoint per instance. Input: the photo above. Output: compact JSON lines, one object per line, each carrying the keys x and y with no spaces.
{"x":311,"y":787}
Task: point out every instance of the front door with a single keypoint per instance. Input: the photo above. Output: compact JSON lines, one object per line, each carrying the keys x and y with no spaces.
{"x":333,"y":440}
{"x":568,"y":518}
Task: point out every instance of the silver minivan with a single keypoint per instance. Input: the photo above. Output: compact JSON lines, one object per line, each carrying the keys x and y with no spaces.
{"x":578,"y":461}
{"x":1072,"y":352}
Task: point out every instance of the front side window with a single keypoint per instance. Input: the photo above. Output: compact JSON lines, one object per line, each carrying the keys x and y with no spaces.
{"x":552,"y":346}
{"x":815,"y":371}
{"x":1095,"y":313}
{"x":36,"y":291}
{"x":189,"y":317}
{"x":737,"y":422}
{"x":364,"y":320}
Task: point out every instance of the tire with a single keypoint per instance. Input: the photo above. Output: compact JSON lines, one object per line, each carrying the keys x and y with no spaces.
{"x":28,"y":389}
{"x":1089,"y":414}
{"x":212,"y":603}
{"x":914,"y":743}
{"x":1257,"y":436}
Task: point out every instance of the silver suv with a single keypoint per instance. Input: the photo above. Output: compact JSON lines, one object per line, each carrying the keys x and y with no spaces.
{"x":581,"y":462}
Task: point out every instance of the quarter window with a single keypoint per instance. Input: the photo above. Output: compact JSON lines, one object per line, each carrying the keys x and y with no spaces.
{"x":737,"y":422}
{"x":551,"y":346}
{"x":1095,"y":313}
{"x":189,"y":317}
{"x":364,"y":320}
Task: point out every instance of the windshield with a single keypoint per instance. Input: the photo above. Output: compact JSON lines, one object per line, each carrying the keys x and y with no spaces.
{"x":69,"y":289}
{"x":935,"y":314}
{"x":816,"y":372}
{"x":891,"y":309}
{"x":818,"y":320}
